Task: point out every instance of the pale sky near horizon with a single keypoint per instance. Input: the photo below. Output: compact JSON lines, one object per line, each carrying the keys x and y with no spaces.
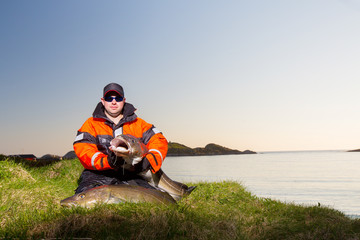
{"x":262,"y":75}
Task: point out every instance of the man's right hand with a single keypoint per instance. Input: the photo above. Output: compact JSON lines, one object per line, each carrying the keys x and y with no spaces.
{"x":115,"y":161}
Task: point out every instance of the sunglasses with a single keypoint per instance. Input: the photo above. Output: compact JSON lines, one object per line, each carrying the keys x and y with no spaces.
{"x":110,"y":98}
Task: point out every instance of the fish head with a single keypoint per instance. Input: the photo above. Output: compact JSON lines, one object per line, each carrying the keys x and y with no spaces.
{"x":128,"y":146}
{"x":87,"y":198}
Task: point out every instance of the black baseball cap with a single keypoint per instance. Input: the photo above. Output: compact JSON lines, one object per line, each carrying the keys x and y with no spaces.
{"x":113,"y":87}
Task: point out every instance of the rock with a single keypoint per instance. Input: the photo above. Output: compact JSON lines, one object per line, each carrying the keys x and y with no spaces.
{"x":50,"y":157}
{"x":249,"y":152}
{"x":30,"y":157}
{"x":70,"y":155}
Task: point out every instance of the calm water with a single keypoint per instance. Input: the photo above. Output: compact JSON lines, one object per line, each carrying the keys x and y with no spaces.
{"x":331,"y":178}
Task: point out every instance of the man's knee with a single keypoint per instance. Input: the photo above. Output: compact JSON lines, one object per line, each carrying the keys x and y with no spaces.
{"x":90,"y":179}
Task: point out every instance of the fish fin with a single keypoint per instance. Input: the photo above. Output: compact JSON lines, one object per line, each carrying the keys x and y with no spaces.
{"x":190,"y":189}
{"x":186,"y":193}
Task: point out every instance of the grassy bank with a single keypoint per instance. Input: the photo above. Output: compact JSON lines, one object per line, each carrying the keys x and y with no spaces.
{"x":29,"y":208}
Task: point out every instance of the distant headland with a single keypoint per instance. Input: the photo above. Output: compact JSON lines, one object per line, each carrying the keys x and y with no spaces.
{"x":177,"y":149}
{"x":356,"y":150}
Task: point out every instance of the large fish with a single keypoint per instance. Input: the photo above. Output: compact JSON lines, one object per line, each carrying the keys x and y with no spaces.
{"x":117,"y":194}
{"x":132,"y":150}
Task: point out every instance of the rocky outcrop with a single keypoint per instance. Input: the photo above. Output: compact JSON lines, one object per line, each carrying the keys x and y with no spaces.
{"x":50,"y":157}
{"x":177,"y":149}
{"x":70,"y":155}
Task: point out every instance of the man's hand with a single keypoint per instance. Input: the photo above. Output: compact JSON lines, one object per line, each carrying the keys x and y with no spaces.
{"x":115,"y":161}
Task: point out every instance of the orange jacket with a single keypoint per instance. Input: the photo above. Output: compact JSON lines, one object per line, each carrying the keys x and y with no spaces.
{"x":92,"y":142}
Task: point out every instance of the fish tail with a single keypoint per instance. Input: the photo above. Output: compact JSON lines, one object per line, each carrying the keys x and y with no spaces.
{"x":190,"y":189}
{"x":184,"y":193}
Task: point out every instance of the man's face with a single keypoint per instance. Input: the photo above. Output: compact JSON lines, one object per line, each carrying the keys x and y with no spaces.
{"x":113,"y":104}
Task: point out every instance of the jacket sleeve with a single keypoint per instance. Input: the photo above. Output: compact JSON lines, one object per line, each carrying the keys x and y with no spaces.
{"x":157,"y":145}
{"x":86,"y":148}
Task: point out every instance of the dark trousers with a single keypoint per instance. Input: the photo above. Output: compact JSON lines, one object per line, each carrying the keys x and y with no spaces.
{"x":92,"y":178}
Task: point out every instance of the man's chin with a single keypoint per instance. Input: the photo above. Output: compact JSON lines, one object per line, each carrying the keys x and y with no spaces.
{"x":114,"y":114}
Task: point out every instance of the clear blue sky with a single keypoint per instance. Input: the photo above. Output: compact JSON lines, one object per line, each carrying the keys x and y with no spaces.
{"x":260,"y":75}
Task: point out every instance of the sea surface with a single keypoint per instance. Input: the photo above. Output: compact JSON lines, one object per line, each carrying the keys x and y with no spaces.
{"x":331,"y":178}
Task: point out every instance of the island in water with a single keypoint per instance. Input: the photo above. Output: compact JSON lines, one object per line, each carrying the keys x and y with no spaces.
{"x":177,"y":149}
{"x":356,"y":150}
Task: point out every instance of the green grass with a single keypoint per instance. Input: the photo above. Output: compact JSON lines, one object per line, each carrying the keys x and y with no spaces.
{"x":30,"y":196}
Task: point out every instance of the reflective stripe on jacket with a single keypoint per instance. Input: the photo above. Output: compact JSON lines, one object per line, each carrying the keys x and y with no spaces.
{"x":92,"y":142}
